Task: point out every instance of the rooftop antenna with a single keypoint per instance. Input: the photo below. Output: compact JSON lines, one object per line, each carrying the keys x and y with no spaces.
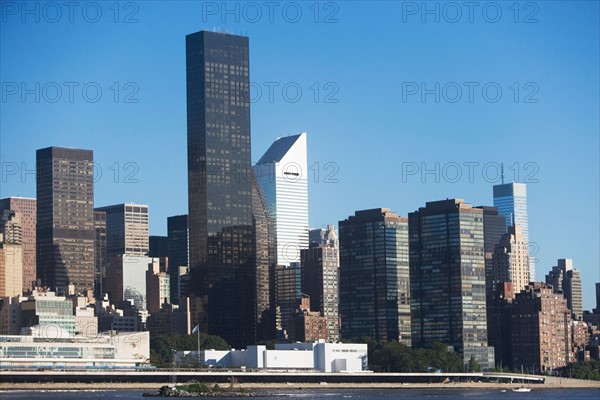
{"x":502,"y":172}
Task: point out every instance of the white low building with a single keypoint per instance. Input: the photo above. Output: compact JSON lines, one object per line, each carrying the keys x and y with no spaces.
{"x":122,"y":350}
{"x":317,"y":356}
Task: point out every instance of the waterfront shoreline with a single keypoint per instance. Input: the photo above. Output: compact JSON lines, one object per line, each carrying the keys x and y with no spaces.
{"x":551,"y":383}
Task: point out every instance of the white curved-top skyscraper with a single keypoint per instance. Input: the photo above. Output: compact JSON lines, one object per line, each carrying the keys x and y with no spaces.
{"x":282,"y":173}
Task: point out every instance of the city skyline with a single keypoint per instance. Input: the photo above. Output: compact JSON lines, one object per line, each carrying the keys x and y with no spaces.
{"x":364,"y":185}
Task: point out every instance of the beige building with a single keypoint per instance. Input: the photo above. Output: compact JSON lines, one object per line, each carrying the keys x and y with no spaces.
{"x":26,"y":209}
{"x":510,"y":262}
{"x":157,"y":287}
{"x":11,"y":254}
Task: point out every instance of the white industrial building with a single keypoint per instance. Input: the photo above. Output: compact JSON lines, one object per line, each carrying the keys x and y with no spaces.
{"x":317,"y":356}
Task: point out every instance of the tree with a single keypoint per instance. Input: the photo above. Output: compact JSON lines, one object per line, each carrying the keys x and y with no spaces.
{"x":474,"y":365}
{"x":163,"y":347}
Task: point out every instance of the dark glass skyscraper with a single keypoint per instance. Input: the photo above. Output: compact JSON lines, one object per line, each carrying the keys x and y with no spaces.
{"x":177,"y":251}
{"x":374,"y":276}
{"x":447,"y":278}
{"x":65,"y":218}
{"x":222,"y":245}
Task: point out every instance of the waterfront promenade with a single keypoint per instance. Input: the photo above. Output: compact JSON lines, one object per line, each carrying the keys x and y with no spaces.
{"x":60,"y":380}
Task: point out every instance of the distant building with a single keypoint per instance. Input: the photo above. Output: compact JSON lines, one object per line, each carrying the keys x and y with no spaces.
{"x":580,"y":338}
{"x":157,"y":246}
{"x":374,"y":276}
{"x":541,"y":329}
{"x":567,"y":280}
{"x":100,"y":254}
{"x":511,"y":201}
{"x":126,"y":229}
{"x":11,"y":254}
{"x":177,"y":252}
{"x":510,"y":262}
{"x":288,"y":293}
{"x":171,"y":318}
{"x":126,"y":280}
{"x":309,"y":325}
{"x":158,"y":290}
{"x":65,"y":218}
{"x":320,"y":280}
{"x":447,"y":275}
{"x":46,"y":312}
{"x":282,"y":173}
{"x":26,"y":208}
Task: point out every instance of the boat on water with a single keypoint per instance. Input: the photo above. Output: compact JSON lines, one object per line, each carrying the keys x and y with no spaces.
{"x":522,"y":389}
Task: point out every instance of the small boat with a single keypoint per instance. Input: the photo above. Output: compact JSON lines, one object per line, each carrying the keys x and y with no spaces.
{"x":522,"y":389}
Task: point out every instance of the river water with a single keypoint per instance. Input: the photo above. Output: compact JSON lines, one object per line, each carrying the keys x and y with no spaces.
{"x":358,"y":394}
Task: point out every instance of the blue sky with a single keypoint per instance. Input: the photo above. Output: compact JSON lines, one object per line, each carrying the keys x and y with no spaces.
{"x":370,"y":130}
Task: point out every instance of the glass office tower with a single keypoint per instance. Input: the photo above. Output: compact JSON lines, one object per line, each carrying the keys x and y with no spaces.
{"x":511,"y":201}
{"x":447,"y":279}
{"x":374,"y":276}
{"x":222,"y":248}
{"x":65,"y":218}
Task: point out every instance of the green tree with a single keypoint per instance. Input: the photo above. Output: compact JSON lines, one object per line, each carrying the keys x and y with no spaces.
{"x":163,"y":347}
{"x":474,"y":365}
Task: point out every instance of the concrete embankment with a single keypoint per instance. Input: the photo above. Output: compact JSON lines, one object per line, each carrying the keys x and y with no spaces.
{"x":550,"y":383}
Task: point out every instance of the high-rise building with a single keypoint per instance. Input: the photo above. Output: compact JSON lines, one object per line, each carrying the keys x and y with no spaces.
{"x":65,"y":218}
{"x":177,"y":251}
{"x":126,"y":281}
{"x":288,"y":294}
{"x":157,"y":246}
{"x":126,"y":229}
{"x":447,"y":276}
{"x":320,"y":280}
{"x":157,"y":287}
{"x":100,"y":255}
{"x":224,"y":273}
{"x":597,"y":309}
{"x":493,"y":229}
{"x":511,"y":260}
{"x":511,"y":201}
{"x":541,"y":329}
{"x":11,"y":254}
{"x":567,"y":280}
{"x":282,"y":173}
{"x":310,"y":326}
{"x":374,"y":276}
{"x":26,"y":208}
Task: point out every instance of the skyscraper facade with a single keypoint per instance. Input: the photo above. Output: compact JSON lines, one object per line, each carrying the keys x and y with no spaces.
{"x":282,"y":173}
{"x":157,"y":246}
{"x":222,"y":248}
{"x":447,"y":276}
{"x":541,"y":329}
{"x":288,"y":295}
{"x":26,"y":208}
{"x":511,"y":201}
{"x":493,"y":229}
{"x":511,"y":260}
{"x":65,"y":218}
{"x":320,"y":281}
{"x":374,"y":276}
{"x":126,"y":229}
{"x":567,"y":280}
{"x":100,"y":255}
{"x":177,"y":251}
{"x":11,"y":254}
